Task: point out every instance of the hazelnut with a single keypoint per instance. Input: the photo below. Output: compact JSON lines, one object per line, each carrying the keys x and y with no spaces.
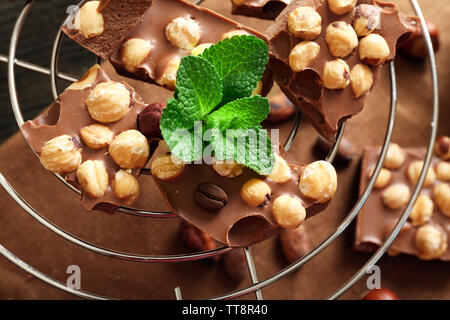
{"x":373,"y":49}
{"x":441,"y":195}
{"x":169,"y":76}
{"x":148,"y":121}
{"x":422,"y":210}
{"x":61,"y":154}
{"x":341,"y":6}
{"x":305,"y":23}
{"x":167,"y":167}
{"x":443,"y":171}
{"x":256,"y":192}
{"x":93,"y":178}
{"x":395,"y":157}
{"x":125,"y":186}
{"x":86,"y":80}
{"x":384,"y":178}
{"x":302,"y":55}
{"x":318,"y":181}
{"x":367,"y":19}
{"x":108,"y":102}
{"x":234,"y":33}
{"x":415,"y":47}
{"x":227,"y":168}
{"x":130,"y":149}
{"x":183,"y":33}
{"x":198,"y":50}
{"x":431,"y":242}
{"x":281,"y":172}
{"x":341,"y":39}
{"x":96,"y":136}
{"x":395,"y":196}
{"x":361,"y":78}
{"x":336,"y":74}
{"x":414,"y":170}
{"x":134,"y":52}
{"x":442,"y":147}
{"x":89,"y":21}
{"x":288,"y":212}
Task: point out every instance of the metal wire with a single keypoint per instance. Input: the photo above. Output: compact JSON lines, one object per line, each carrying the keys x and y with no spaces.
{"x":256,"y":287}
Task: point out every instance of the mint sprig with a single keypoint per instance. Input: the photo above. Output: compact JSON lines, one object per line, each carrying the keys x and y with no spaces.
{"x":212,"y":103}
{"x":240,"y":62}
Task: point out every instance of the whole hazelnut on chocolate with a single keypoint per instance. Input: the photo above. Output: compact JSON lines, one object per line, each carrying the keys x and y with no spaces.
{"x":414,"y":47}
{"x":374,"y":50}
{"x":305,"y":23}
{"x":89,"y":21}
{"x":367,"y":19}
{"x":380,"y":294}
{"x":148,"y":120}
{"x":442,"y":147}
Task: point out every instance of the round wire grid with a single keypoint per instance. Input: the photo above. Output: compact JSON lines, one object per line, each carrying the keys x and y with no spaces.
{"x":257,"y":285}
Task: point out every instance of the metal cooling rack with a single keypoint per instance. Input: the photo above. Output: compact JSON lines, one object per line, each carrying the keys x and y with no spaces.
{"x":257,"y":285}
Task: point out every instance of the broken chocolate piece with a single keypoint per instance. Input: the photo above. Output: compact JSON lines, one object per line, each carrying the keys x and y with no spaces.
{"x":237,"y":224}
{"x":170,"y":30}
{"x":305,"y":87}
{"x":263,"y":9}
{"x":429,"y":222}
{"x":69,"y":115}
{"x":101,"y":26}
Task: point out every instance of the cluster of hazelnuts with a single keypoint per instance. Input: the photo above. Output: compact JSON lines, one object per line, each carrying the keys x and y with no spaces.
{"x":318,"y":182}
{"x":430,"y":240}
{"x":107,"y":103}
{"x":342,"y":39}
{"x":183,"y":33}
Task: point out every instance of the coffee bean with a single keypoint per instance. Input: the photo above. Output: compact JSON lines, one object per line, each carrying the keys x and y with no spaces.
{"x":281,"y":109}
{"x":210,"y":196}
{"x":148,"y":121}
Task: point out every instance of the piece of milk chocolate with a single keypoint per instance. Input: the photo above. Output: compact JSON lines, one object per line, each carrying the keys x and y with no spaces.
{"x":190,"y":28}
{"x":327,"y":108}
{"x":236,"y":224}
{"x":263,"y":9}
{"x":376,"y":220}
{"x":70,"y":114}
{"x":101,"y":26}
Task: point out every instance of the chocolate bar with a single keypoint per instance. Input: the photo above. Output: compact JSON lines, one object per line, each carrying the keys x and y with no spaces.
{"x":90,"y":137}
{"x":101,"y":26}
{"x":238,"y":207}
{"x":427,"y":230}
{"x":328,"y":62}
{"x":170,"y":30}
{"x":263,"y":9}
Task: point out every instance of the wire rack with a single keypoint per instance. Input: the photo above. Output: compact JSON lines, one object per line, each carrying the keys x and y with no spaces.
{"x":257,"y":285}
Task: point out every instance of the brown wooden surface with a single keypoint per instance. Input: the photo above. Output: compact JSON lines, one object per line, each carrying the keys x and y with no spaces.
{"x":409,"y":277}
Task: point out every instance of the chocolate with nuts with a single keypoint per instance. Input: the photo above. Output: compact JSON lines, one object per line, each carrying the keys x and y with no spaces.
{"x":263,"y":9}
{"x":101,"y":26}
{"x":427,"y":230}
{"x":170,"y":30}
{"x":250,"y":214}
{"x":103,"y":157}
{"x":321,"y":62}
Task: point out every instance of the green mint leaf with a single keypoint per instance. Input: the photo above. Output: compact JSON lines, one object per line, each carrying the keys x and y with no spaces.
{"x":199,"y":88}
{"x":180,"y":132}
{"x":240,"y":62}
{"x":245,"y":113}
{"x":251,"y":148}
